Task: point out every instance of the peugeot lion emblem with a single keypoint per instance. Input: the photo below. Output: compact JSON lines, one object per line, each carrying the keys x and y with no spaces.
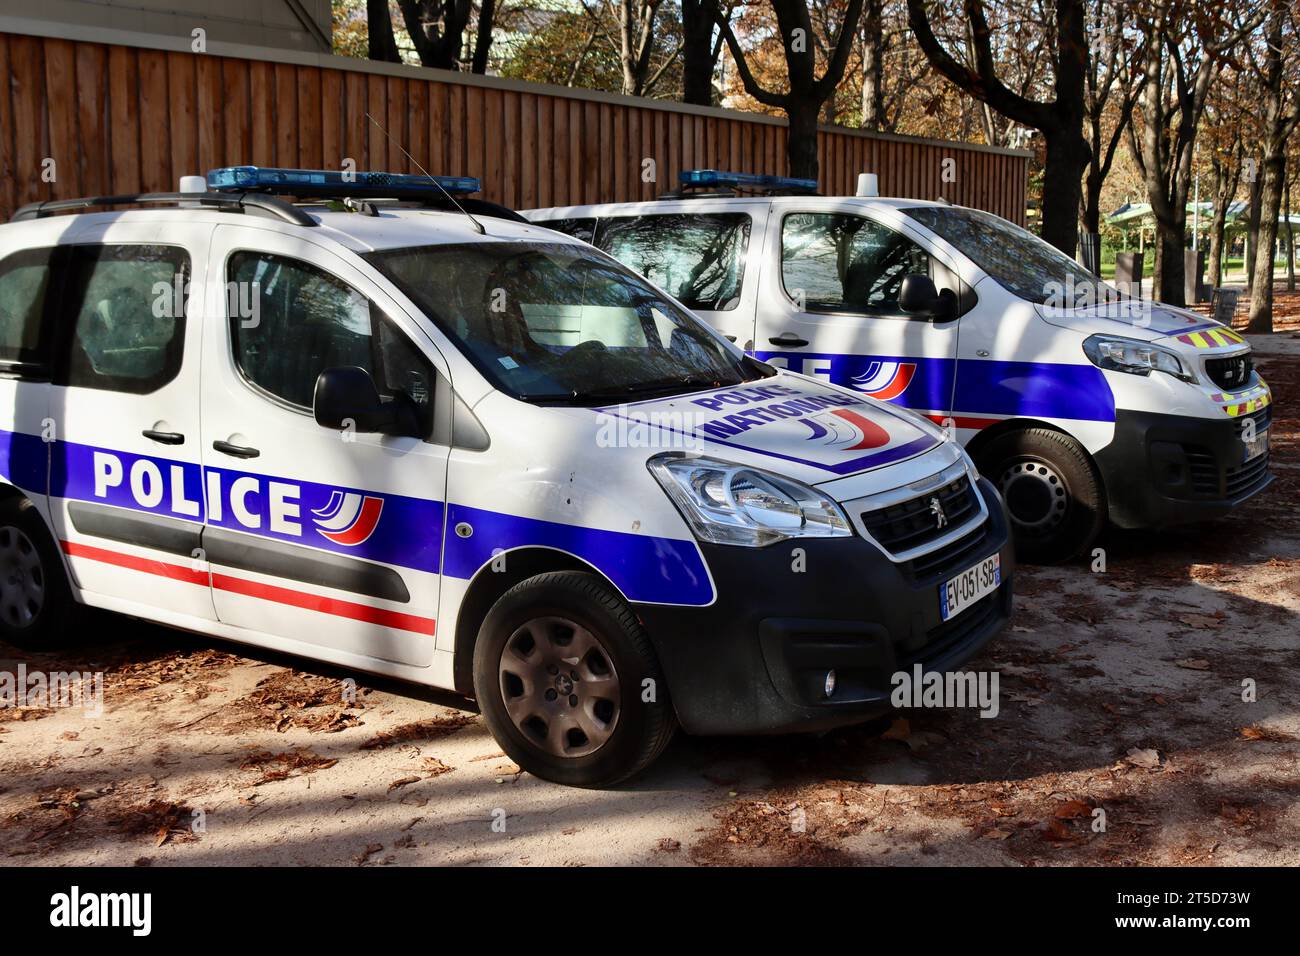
{"x":936,"y":509}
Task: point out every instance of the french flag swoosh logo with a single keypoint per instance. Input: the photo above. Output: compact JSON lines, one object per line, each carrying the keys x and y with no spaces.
{"x":846,"y":430}
{"x":885,"y":380}
{"x":348,"y":518}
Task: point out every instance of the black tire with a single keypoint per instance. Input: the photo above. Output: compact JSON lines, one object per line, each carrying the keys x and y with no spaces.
{"x":37,"y":609}
{"x":1052,"y":490}
{"x":553,"y":711}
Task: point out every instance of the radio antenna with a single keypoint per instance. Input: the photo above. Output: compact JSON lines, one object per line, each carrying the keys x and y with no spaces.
{"x":478,"y":226}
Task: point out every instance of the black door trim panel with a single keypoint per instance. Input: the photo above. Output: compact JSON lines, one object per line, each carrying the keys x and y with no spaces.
{"x":171,"y":535}
{"x":247,"y":552}
{"x":244,"y":552}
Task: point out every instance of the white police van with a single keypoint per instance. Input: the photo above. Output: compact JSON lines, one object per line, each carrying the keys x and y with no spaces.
{"x":1076,"y":401}
{"x":413,"y":437}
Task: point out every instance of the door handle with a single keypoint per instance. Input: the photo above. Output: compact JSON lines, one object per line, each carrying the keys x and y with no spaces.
{"x":788,"y":340}
{"x":164,"y":438}
{"x":238,"y":451}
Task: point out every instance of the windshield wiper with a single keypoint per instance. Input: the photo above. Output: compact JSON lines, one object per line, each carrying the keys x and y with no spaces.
{"x":623,"y":392}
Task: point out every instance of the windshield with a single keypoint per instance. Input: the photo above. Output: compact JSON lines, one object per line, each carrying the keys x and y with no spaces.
{"x":554,"y":322}
{"x":1017,"y":259}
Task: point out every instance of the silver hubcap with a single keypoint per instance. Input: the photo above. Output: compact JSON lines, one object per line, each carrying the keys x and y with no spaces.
{"x":1035,"y":494}
{"x":559,"y":686}
{"x":22,"y":579}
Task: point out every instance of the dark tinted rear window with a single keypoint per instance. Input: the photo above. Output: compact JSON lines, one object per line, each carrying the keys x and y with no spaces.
{"x":584,"y":229}
{"x":24,"y":283}
{"x":699,"y":258}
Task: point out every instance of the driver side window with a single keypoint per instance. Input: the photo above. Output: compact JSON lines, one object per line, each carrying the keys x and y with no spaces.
{"x":290,"y":321}
{"x":834,"y":262}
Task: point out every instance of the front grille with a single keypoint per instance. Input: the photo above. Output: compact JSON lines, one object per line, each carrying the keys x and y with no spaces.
{"x":1242,"y":479}
{"x":1209,"y":480}
{"x":1230,"y":373}
{"x":915,"y":523}
{"x":949,"y":559}
{"x":1204,"y":471}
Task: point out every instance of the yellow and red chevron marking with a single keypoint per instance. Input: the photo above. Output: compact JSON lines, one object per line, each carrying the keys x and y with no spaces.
{"x":1243,"y":403}
{"x":1211,"y":338}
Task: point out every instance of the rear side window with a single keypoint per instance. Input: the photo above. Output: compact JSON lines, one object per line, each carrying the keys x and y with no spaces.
{"x":294,"y":321}
{"x":698,"y":258}
{"x":24,"y":284}
{"x":833,"y":262}
{"x":584,"y":229}
{"x":126,"y":305}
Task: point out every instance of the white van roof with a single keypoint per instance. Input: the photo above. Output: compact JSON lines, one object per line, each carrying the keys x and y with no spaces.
{"x":677,"y":203}
{"x":392,"y":226}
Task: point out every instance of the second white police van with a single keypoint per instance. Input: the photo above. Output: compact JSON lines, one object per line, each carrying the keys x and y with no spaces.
{"x":413,"y":437}
{"x":1080,"y":403}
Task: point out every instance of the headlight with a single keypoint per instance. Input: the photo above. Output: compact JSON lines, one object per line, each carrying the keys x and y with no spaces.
{"x":1133,"y":356}
{"x":731,"y":504}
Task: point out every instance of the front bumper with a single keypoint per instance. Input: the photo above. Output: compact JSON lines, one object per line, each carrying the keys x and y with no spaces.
{"x":1170,"y":469}
{"x":755,"y":660}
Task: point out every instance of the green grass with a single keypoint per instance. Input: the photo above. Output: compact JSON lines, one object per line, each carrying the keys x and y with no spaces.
{"x":1234,"y":266}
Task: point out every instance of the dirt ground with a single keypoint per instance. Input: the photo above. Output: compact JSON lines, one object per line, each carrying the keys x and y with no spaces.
{"x":1121,"y":691}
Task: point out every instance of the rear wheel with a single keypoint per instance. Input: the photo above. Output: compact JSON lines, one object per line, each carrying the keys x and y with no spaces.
{"x":37,"y":610}
{"x":1052,"y":491}
{"x":562,"y":673}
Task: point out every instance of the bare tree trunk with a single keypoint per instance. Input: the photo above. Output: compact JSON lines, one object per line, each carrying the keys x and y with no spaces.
{"x":873,"y":55}
{"x":1217,"y":226}
{"x":699,"y":52}
{"x":1252,"y":228}
{"x":1261,"y":297}
{"x":801,"y":146}
{"x":380,"y":27}
{"x":1227,"y":177}
{"x":636,"y":32}
{"x":1060,"y":120}
{"x":483,"y":36}
{"x":807,"y":92}
{"x":1290,"y":242}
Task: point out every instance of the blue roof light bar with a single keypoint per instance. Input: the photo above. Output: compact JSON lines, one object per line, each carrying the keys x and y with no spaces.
{"x":716,"y":178}
{"x":326,"y":182}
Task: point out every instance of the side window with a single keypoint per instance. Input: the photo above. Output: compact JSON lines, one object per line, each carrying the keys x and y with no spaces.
{"x":24,"y":283}
{"x":699,"y":258}
{"x":294,"y":321}
{"x":127,"y":309}
{"x":584,"y":229}
{"x":843,"y":263}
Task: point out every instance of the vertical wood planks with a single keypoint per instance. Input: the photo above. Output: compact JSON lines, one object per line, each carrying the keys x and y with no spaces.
{"x":120,"y":120}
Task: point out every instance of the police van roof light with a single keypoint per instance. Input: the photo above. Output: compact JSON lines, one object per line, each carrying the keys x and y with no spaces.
{"x":335,"y":182}
{"x":698,"y":178}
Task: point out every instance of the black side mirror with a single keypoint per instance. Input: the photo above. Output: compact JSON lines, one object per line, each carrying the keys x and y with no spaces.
{"x":346,"y":397}
{"x":919,"y":297}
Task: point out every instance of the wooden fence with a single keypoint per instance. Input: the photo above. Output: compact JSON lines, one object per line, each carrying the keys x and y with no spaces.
{"x":119,"y":118}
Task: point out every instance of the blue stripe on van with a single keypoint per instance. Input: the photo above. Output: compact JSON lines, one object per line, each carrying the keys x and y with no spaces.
{"x":1034,"y":389}
{"x":649,"y":569}
{"x":407,"y":532}
{"x":983,"y":386}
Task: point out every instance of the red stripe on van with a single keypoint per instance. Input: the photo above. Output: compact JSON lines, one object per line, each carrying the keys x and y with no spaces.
{"x":148,"y":565}
{"x":314,"y":602}
{"x":265,"y":592}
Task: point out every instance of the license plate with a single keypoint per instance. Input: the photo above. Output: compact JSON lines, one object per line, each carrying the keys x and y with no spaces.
{"x":1257,"y":445}
{"x":959,"y":593}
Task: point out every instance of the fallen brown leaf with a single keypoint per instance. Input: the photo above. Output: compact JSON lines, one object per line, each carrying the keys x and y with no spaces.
{"x":1073,"y":810}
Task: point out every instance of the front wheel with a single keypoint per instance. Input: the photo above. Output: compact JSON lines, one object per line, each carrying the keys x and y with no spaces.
{"x":568,"y":682}
{"x":1052,"y":491}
